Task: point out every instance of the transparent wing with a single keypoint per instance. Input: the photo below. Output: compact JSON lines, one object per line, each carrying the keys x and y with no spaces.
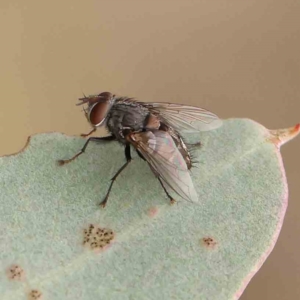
{"x":165,"y":160}
{"x":184,"y":117}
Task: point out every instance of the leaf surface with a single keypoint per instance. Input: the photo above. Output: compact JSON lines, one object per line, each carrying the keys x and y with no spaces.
{"x":206,"y":250}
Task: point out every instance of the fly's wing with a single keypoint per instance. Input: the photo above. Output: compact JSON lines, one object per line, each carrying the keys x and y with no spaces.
{"x":165,"y":160}
{"x":184,"y":117}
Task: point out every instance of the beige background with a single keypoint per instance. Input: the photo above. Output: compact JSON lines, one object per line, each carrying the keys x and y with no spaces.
{"x":237,"y":58}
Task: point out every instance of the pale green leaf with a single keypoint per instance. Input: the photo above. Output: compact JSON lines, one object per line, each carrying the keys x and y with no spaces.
{"x":208,"y":250}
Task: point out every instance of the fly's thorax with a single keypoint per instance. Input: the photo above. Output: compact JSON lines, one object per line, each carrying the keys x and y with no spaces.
{"x":126,"y":115}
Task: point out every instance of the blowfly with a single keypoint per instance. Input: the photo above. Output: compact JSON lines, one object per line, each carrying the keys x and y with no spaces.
{"x":155,"y":130}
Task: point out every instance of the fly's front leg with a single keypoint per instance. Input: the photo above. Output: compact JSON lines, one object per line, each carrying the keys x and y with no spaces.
{"x":96,"y":139}
{"x":87,"y":134}
{"x":128,"y":160}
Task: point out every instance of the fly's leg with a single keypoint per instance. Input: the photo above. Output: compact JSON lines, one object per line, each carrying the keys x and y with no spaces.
{"x":87,"y":134}
{"x":169,"y":196}
{"x":172,"y":200}
{"x":105,"y":138}
{"x":140,"y":155}
{"x":128,"y":160}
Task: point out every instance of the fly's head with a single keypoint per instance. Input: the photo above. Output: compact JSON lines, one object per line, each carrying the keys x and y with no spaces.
{"x":98,"y":107}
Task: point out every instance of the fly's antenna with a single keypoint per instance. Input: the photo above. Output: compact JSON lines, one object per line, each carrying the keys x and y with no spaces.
{"x":90,"y":99}
{"x":83,"y":101}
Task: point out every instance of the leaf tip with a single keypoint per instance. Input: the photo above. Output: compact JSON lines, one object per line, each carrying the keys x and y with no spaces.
{"x":282,"y":136}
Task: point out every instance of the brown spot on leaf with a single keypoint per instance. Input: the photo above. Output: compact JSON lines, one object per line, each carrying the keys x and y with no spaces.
{"x":96,"y":238}
{"x":15,"y":272}
{"x":209,"y":242}
{"x":34,"y":295}
{"x":152,"y":212}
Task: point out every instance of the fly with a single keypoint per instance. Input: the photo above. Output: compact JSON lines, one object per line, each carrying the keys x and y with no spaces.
{"x":155,"y":131}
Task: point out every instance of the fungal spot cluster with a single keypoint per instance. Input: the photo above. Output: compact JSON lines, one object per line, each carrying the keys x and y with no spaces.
{"x":209,"y":242}
{"x":96,"y":238}
{"x":34,"y":295}
{"x":16,"y":273}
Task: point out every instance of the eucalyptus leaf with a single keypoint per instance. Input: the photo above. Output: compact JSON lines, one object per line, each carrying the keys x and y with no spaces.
{"x":57,"y":243}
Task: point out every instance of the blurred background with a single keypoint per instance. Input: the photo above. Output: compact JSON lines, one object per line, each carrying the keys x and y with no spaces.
{"x":236,"y":58}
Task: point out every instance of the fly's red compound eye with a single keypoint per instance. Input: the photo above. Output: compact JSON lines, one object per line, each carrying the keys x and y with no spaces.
{"x":98,"y":113}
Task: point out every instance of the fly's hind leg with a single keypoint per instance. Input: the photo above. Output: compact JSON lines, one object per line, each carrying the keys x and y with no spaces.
{"x":172,"y":200}
{"x":128,"y":160}
{"x":96,"y":139}
{"x":140,"y":155}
